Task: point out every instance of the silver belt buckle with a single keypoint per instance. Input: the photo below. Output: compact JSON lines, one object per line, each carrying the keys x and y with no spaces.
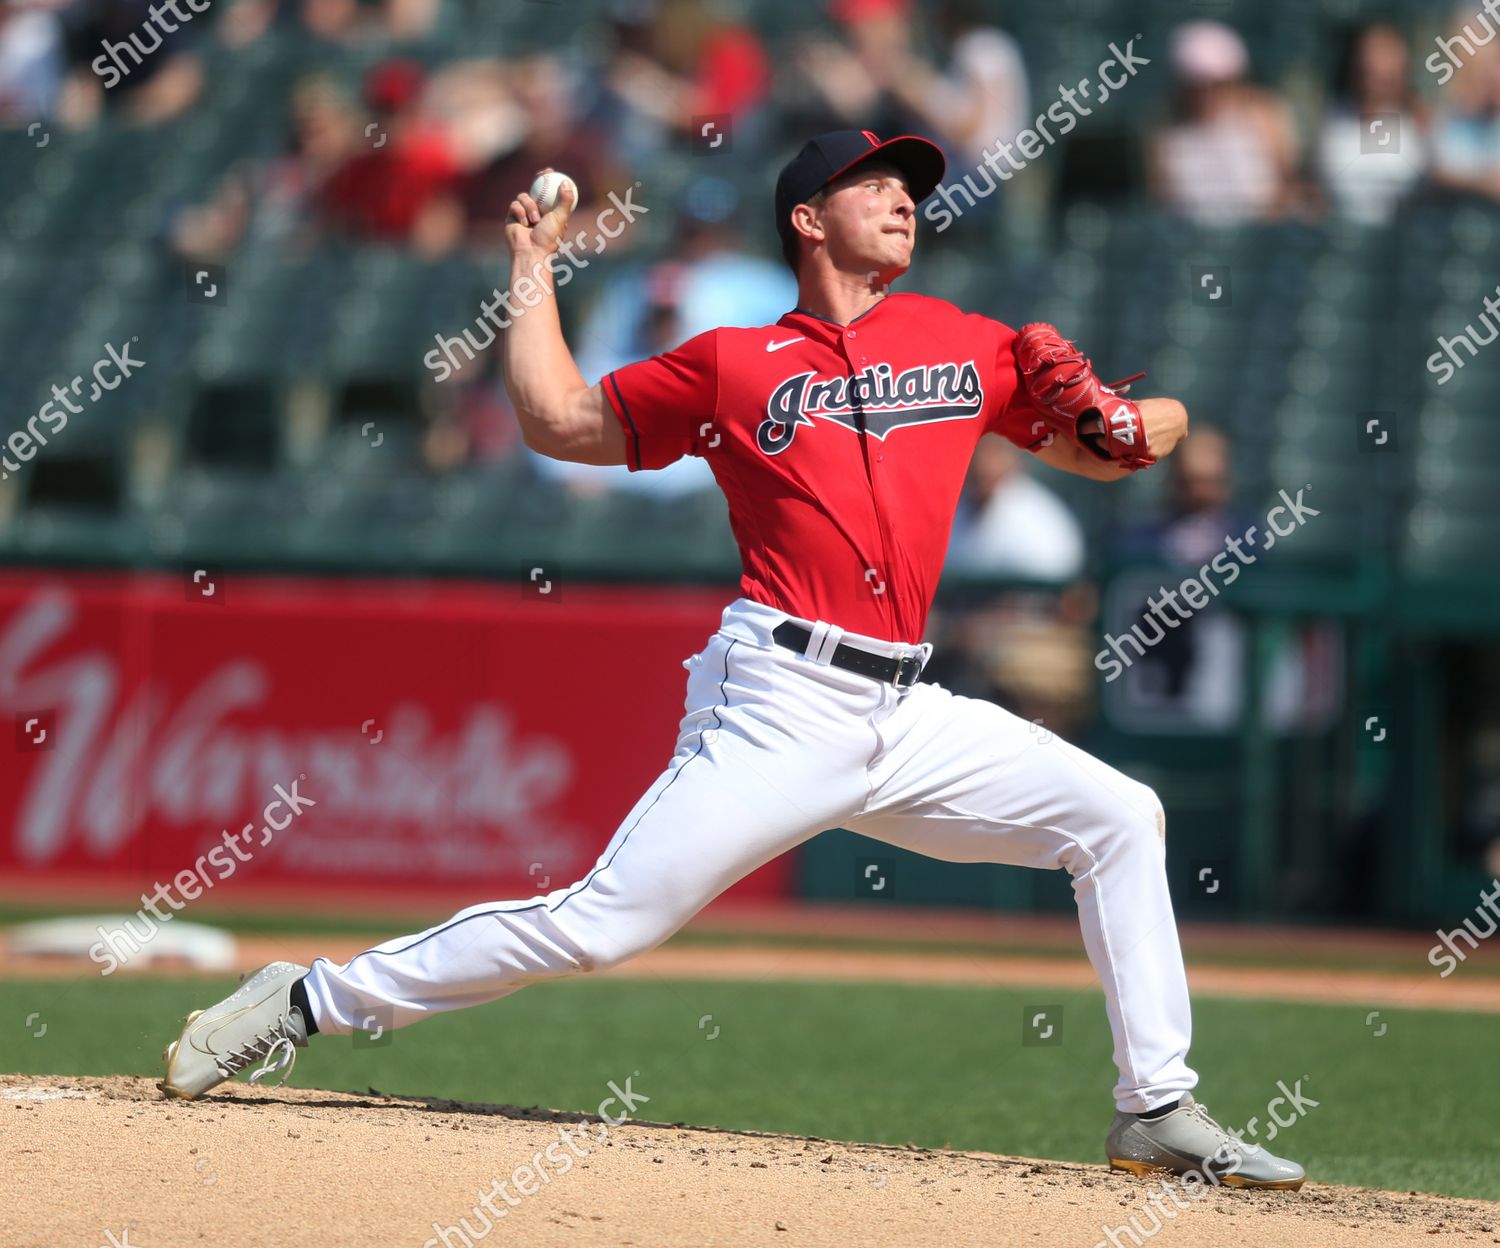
{"x":915,"y":662}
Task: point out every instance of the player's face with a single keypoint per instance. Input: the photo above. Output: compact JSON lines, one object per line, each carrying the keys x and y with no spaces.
{"x":870,"y":222}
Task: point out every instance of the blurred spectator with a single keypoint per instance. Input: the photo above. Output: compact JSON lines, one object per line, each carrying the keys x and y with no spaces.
{"x":716,"y":283}
{"x":622,"y":107}
{"x":706,"y":281}
{"x":658,"y":330}
{"x":474,"y":102}
{"x":335,"y":21}
{"x":547,"y":133}
{"x":1193,"y":667}
{"x":125,"y":57}
{"x":1374,"y":101}
{"x":276,"y":200}
{"x":1466,"y":134}
{"x":979,"y":98}
{"x":1010,"y":524}
{"x":724,"y":63}
{"x":31,"y":63}
{"x":403,"y":187}
{"x":863,"y":80}
{"x":1200,"y":509}
{"x":1229,"y":152}
{"x":472,"y":420}
{"x":1026,"y":650}
{"x":674,"y":70}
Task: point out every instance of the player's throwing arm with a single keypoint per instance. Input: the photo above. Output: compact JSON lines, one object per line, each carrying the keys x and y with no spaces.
{"x":561,"y":416}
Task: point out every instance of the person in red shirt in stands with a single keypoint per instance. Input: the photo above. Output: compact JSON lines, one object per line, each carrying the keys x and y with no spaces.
{"x":402,"y":187}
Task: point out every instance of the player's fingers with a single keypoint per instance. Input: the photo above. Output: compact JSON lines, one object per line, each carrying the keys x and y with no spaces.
{"x":527,"y":197}
{"x":528,"y":205}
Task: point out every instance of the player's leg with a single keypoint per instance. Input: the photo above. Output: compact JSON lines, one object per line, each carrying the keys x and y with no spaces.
{"x":767,"y":756}
{"x":741,"y":788}
{"x":966,"y":781}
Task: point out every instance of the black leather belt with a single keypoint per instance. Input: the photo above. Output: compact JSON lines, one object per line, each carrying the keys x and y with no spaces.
{"x":903,"y":673}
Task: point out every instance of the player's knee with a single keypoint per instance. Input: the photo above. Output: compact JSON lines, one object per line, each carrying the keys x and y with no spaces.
{"x":1153,"y":816}
{"x":601,"y":946}
{"x":597,"y":929}
{"x":580,"y":945}
{"x":588,"y":952}
{"x":1142,"y":817}
{"x":611,"y":951}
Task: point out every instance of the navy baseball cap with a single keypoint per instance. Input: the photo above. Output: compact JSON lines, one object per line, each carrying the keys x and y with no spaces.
{"x":830,"y":155}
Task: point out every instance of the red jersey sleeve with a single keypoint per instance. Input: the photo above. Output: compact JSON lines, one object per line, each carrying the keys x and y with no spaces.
{"x":1015,"y":418}
{"x":662,"y":402}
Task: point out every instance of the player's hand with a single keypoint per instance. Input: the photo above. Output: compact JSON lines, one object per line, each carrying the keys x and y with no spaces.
{"x":1165,"y":422}
{"x":532,"y":230}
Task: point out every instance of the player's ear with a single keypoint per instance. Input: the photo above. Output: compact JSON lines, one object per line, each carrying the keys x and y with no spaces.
{"x":805,"y":221}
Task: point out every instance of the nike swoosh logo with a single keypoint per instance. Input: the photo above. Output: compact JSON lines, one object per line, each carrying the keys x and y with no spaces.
{"x":776,"y":346}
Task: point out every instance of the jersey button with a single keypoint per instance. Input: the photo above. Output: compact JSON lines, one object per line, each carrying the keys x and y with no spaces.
{"x":853,"y":334}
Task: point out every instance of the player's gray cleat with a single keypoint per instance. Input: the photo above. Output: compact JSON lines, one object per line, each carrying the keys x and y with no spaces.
{"x":1187,"y":1139}
{"x":255,"y":1023}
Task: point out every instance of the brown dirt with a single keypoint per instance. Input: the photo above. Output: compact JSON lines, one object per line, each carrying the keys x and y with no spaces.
{"x":1022,"y":932}
{"x":295,"y":1167}
{"x":283,"y":1166}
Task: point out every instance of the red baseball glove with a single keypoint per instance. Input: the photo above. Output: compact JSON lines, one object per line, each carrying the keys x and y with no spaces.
{"x":1072,"y":401}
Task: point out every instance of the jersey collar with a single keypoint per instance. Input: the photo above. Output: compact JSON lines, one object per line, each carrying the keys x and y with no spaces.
{"x":823,"y":320}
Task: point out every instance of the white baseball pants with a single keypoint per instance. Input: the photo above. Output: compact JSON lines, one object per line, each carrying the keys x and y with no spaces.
{"x":775,"y":747}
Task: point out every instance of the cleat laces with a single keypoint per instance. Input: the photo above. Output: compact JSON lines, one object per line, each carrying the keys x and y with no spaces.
{"x":280,"y":1058}
{"x":275,"y":1046}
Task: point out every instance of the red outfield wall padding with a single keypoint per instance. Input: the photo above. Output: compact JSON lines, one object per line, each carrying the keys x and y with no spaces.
{"x":472,"y":737}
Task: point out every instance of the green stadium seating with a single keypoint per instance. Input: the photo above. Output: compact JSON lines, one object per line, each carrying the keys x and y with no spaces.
{"x":1326,"y":323}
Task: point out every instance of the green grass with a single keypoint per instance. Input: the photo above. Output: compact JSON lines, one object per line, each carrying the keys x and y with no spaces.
{"x":1415,"y":1108}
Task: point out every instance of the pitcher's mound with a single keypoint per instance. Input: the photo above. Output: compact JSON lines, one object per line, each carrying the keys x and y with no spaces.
{"x":109,"y":1161}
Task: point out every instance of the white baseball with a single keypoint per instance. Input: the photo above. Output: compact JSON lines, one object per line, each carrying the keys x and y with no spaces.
{"x":547,"y":190}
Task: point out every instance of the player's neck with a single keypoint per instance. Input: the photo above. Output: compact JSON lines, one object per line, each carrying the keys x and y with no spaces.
{"x":837,"y":297}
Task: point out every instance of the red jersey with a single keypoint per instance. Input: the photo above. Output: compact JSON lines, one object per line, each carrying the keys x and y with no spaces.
{"x":841,"y":449}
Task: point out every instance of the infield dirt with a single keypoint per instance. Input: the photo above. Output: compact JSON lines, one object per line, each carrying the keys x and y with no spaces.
{"x":109,"y":1161}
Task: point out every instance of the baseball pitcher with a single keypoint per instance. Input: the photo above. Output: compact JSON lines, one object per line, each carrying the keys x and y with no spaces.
{"x":840,"y":437}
